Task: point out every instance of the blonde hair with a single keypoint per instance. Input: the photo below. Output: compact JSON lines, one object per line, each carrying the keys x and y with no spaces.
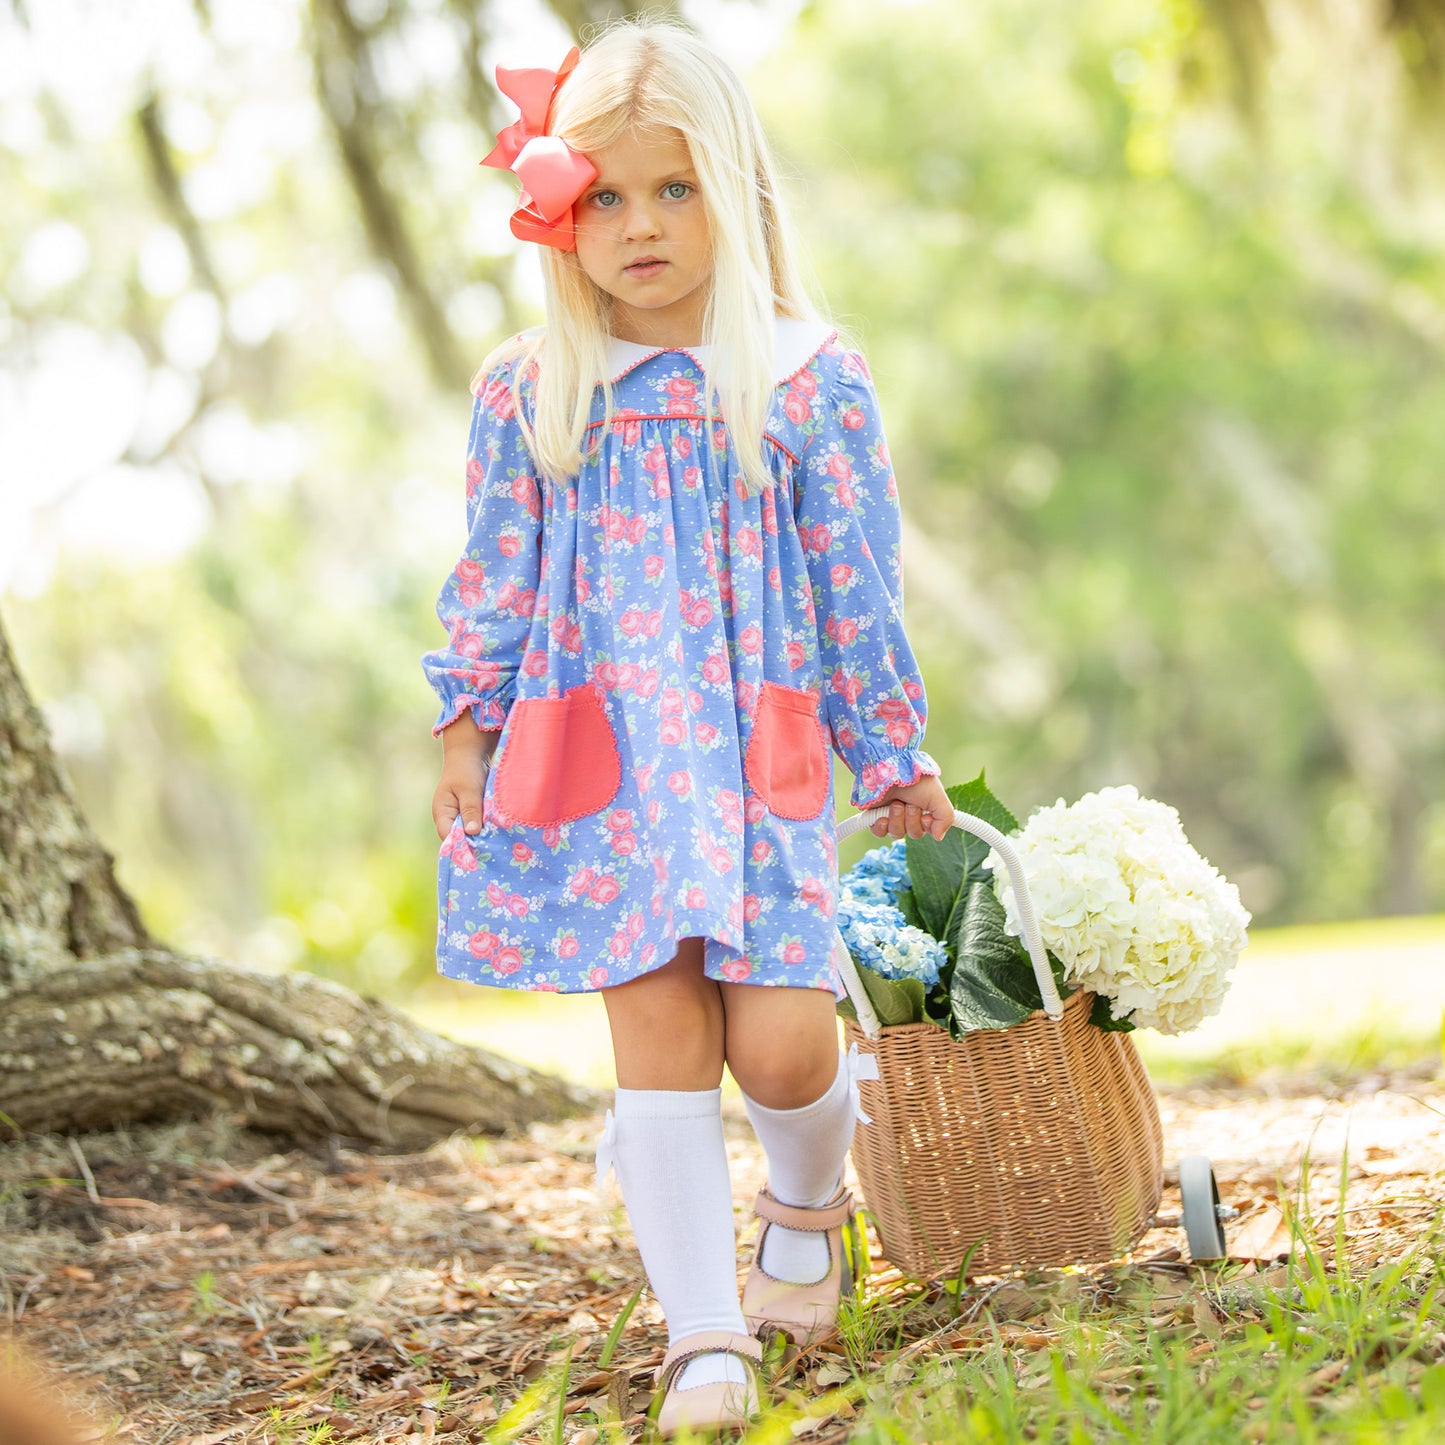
{"x":657,"y":74}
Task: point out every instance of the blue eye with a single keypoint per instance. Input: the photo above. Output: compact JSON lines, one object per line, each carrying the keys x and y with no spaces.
{"x":597,"y":198}
{"x":674,"y":187}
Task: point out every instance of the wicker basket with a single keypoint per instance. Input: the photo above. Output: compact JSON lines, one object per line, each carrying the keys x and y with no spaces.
{"x":1040,"y":1143}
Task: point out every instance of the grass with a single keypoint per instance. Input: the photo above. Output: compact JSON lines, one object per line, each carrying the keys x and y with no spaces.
{"x":1319,"y":1060}
{"x":1337,"y":1345}
{"x":1357,"y":935}
{"x":1320,"y":1349}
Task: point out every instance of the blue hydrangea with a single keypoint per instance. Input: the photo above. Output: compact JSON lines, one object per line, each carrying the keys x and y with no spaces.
{"x":872,"y":926}
{"x":880,"y":874}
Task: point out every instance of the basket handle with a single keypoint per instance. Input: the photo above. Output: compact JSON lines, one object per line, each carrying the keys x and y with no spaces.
{"x":1043,"y":974}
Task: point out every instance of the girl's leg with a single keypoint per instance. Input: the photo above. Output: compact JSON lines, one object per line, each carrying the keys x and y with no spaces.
{"x":782,"y":1048}
{"x":667,"y":1147}
{"x":667,"y":1026}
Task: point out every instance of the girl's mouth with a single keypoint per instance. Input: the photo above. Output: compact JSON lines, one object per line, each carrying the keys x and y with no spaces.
{"x":645,"y":268}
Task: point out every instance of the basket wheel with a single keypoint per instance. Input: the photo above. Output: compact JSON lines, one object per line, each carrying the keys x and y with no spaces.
{"x":1199,"y":1201}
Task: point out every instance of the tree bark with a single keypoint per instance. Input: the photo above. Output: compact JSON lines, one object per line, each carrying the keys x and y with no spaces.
{"x":59,"y":898}
{"x":101,"y":1024}
{"x":142,"y":1034}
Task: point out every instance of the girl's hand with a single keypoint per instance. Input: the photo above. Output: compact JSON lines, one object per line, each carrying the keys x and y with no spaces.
{"x":921,"y":807}
{"x":467,"y":758}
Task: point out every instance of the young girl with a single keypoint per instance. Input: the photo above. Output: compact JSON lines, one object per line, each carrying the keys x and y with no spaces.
{"x":681,"y":582}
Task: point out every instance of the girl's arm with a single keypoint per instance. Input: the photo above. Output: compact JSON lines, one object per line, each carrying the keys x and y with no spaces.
{"x":487,"y":602}
{"x":849,"y":521}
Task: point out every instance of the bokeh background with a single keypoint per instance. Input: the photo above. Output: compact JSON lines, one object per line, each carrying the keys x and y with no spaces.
{"x":1153,"y":293}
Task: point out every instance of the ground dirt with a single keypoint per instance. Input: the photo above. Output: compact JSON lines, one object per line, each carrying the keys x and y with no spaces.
{"x":200,"y":1284}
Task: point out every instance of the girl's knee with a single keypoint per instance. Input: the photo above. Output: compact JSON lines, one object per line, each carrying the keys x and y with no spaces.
{"x":667,"y":1025}
{"x":783,"y":1079}
{"x":782,"y":1043}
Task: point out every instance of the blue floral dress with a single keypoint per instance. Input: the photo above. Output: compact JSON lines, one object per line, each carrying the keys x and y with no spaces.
{"x":669,"y":660}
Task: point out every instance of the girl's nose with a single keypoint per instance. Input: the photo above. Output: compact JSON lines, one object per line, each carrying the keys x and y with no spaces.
{"x":640,"y":223}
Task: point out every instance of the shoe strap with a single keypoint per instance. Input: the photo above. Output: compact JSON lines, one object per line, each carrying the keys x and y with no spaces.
{"x":836,"y":1211}
{"x":707,"y":1342}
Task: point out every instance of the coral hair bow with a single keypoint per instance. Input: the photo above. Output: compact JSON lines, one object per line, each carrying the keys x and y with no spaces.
{"x":553,"y":175}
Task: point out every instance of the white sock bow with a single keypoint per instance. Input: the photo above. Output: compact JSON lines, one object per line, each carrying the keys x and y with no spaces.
{"x":605,"y":1142}
{"x":860,"y":1066}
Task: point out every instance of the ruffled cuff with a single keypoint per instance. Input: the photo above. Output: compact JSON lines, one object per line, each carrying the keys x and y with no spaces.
{"x":890,"y":770}
{"x":489,"y":713}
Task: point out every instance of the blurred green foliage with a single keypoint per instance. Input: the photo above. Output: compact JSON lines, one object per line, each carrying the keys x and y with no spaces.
{"x":1162,"y":392}
{"x":1162,"y":397}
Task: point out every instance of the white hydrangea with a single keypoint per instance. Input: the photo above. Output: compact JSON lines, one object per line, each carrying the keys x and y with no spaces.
{"x":1129,"y":907}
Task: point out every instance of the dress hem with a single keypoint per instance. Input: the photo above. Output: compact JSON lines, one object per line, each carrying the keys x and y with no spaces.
{"x":452,"y":965}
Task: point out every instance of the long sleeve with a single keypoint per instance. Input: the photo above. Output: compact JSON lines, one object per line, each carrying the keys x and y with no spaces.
{"x":487,"y":602}
{"x":846,"y":508}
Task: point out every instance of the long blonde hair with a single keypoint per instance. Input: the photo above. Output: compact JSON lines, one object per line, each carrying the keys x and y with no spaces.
{"x":642,"y":75}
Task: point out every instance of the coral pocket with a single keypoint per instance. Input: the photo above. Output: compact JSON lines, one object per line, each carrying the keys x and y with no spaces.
{"x":787,"y":757}
{"x":560,"y":760}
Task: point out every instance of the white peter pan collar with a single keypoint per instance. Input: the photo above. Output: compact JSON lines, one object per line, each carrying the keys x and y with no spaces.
{"x":795,"y":344}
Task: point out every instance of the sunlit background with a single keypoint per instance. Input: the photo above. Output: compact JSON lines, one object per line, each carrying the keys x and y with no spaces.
{"x":1154,"y":297}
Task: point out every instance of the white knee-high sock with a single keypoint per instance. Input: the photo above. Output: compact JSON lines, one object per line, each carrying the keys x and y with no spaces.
{"x":806,"y":1148}
{"x":672,"y":1165}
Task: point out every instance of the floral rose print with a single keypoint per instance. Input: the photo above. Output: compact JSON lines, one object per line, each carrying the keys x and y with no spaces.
{"x":656,"y":579}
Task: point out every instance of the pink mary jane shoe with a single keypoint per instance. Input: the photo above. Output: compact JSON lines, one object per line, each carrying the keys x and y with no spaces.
{"x":804,"y":1312}
{"x":723,"y":1405}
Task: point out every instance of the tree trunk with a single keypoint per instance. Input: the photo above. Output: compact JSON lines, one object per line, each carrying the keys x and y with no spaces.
{"x":142,"y":1034}
{"x":100,"y":1023}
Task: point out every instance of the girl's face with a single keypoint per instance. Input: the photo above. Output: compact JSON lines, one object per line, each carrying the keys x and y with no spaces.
{"x":642,"y":236}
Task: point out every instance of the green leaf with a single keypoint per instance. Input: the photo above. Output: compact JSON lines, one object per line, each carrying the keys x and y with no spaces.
{"x":941,"y":872}
{"x":908,"y":907}
{"x":993,"y":985}
{"x":936,"y":872}
{"x":1102,"y":1017}
{"x":895,"y":1001}
{"x":975,"y":798}
{"x":1432,"y":1388}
